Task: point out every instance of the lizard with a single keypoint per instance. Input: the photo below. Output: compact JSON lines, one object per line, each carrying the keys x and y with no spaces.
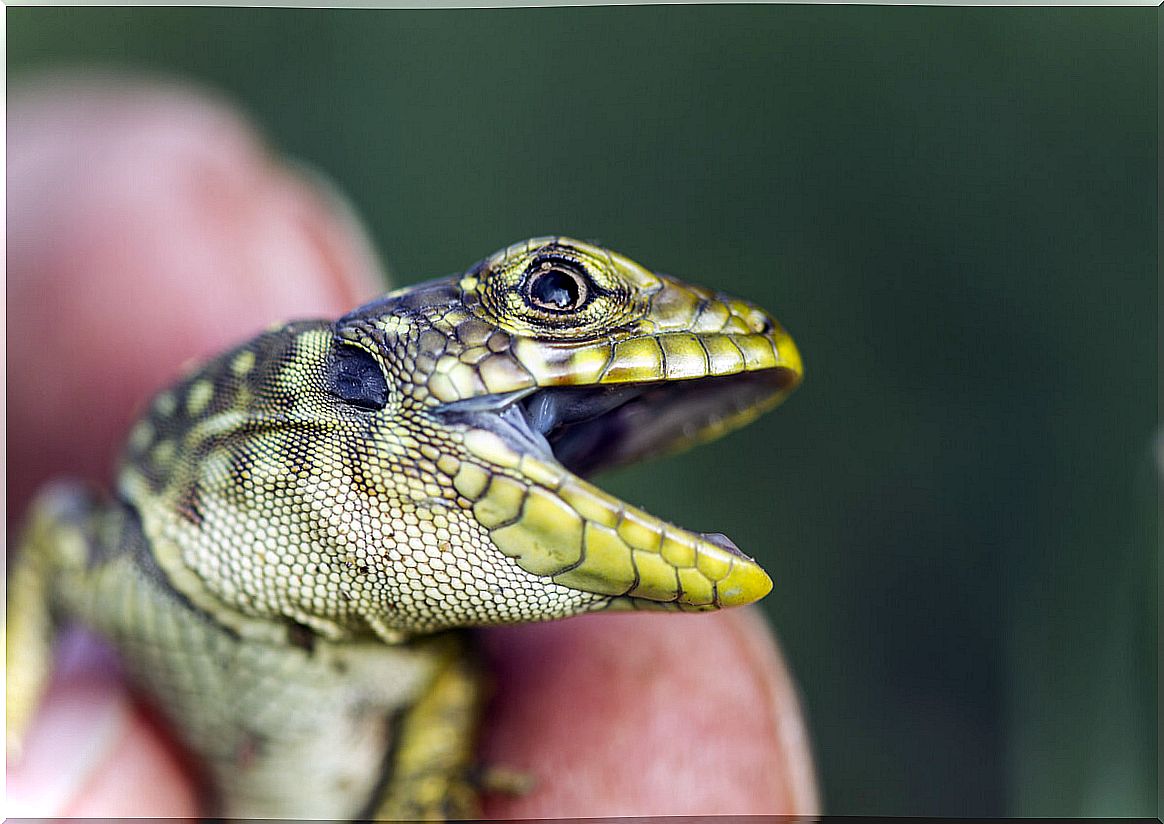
{"x":301,"y":526}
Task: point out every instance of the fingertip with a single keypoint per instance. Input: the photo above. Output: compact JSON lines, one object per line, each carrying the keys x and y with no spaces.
{"x":148,"y":224}
{"x":633,"y":715}
{"x":91,"y":751}
{"x":140,"y":776}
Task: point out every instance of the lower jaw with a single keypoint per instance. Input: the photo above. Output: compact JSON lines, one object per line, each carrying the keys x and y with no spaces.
{"x":555,"y":524}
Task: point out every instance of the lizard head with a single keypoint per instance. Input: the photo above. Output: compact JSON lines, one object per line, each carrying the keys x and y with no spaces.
{"x":553,"y":359}
{"x":424,"y":459}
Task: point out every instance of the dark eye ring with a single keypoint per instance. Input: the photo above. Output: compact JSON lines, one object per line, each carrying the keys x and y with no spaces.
{"x":354,"y":376}
{"x":557,"y":286}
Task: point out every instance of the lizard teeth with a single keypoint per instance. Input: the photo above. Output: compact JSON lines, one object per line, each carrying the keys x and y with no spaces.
{"x":723,"y":542}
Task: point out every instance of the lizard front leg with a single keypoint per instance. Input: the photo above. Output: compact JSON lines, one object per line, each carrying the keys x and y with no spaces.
{"x":54,"y":549}
{"x":430,"y":774}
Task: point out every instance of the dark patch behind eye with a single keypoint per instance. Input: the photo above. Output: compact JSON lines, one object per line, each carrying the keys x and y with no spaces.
{"x":355,"y":377}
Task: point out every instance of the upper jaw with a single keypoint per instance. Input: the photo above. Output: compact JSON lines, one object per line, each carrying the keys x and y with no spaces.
{"x":703,"y":365}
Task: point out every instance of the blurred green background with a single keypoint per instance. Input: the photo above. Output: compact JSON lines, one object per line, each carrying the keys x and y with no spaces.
{"x":952,"y":210}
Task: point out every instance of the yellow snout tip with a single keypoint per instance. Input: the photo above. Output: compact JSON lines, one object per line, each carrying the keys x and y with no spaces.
{"x":745,"y":584}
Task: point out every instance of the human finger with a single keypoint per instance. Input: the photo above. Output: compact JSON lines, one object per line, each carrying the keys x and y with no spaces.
{"x":147,"y":225}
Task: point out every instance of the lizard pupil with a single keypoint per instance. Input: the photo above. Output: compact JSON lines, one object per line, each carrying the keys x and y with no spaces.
{"x":355,"y":377}
{"x":557,"y":289}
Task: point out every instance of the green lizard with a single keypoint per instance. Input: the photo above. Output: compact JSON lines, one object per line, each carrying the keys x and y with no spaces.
{"x":299,"y":523}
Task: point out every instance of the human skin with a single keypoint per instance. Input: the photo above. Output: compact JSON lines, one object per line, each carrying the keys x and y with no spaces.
{"x":148,"y":226}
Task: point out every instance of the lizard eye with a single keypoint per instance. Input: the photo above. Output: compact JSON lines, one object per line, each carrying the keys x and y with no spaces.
{"x":556,"y":285}
{"x":355,"y":377}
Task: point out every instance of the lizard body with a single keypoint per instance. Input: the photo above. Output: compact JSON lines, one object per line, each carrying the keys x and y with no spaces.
{"x":299,"y":523}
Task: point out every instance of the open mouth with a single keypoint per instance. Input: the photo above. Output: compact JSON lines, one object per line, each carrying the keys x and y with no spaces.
{"x":581,"y":430}
{"x":587,"y":429}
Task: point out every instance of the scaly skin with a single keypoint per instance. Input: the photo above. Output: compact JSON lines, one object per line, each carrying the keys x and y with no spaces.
{"x":299,"y":521}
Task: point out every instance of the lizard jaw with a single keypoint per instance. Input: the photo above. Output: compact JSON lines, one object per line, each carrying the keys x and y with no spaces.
{"x":563,"y":527}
